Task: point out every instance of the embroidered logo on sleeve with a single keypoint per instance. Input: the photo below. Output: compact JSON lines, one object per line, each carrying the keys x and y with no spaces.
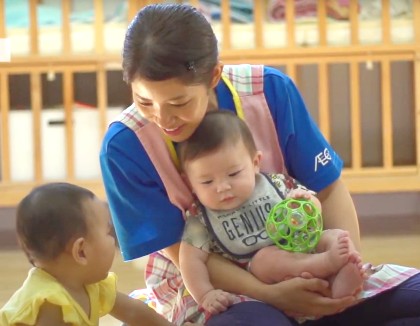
{"x":322,"y":158}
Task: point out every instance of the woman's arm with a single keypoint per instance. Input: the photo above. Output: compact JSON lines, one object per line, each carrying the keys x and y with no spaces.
{"x":308,"y":156}
{"x":339,"y":211}
{"x":296,"y":296}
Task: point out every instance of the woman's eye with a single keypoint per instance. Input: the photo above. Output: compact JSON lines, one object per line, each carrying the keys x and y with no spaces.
{"x":179,"y":105}
{"x":144,"y":104}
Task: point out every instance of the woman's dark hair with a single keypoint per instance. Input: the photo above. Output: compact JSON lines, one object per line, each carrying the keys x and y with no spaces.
{"x":170,"y":41}
{"x":216,"y":129}
{"x":49,"y":217}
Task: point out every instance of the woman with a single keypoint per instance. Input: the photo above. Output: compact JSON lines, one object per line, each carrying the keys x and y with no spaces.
{"x":170,"y":60}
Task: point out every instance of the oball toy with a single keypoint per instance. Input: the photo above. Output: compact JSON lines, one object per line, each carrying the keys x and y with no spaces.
{"x":294,"y":225}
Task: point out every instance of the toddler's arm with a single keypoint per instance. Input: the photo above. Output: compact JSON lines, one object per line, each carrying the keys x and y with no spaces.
{"x":135,"y":312}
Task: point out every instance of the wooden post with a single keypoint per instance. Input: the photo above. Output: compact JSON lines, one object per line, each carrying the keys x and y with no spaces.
{"x":386,"y":22}
{"x":36,"y":104}
{"x":225,"y":7}
{"x":2,"y":19}
{"x":101,"y":90}
{"x":99,"y":26}
{"x":4,"y":130}
{"x":356,"y":128}
{"x":323,"y":100}
{"x":290,"y":23}
{"x":386,"y":97}
{"x":416,"y":18}
{"x":322,"y":22}
{"x":65,"y":12}
{"x":68,"y":116}
{"x":33,"y":27}
{"x":259,"y":18}
{"x":291,"y":71}
{"x":354,"y":22}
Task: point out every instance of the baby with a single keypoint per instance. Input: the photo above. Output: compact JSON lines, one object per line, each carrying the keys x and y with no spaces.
{"x":223,"y":170}
{"x":66,"y":233}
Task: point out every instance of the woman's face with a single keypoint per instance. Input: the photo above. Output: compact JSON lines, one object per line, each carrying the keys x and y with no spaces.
{"x":174,"y":107}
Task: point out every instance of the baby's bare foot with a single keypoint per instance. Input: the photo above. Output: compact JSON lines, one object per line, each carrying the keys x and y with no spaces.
{"x":349,"y":279}
{"x":338,"y":253}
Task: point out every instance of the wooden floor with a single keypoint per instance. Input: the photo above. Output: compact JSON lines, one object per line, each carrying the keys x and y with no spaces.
{"x":384,"y":240}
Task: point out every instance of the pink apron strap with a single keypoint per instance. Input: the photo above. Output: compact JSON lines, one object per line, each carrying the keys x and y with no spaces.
{"x":248,"y":81}
{"x":179,"y":193}
{"x":261,"y":124}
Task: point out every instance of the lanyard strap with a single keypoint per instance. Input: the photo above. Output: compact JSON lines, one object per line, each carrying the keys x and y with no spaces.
{"x":172,"y":151}
{"x":235,"y":96}
{"x":239,"y":112}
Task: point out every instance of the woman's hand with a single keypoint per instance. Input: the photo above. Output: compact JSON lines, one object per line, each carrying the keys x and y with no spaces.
{"x":297,"y":296}
{"x":306,"y":296}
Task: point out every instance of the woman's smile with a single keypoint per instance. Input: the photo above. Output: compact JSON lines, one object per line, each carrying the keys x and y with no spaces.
{"x":173,"y":131}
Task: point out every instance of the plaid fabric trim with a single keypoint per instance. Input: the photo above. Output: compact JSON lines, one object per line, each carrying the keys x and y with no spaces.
{"x":173,"y":301}
{"x":131,"y":118}
{"x":246,"y":79}
{"x":385,"y":277}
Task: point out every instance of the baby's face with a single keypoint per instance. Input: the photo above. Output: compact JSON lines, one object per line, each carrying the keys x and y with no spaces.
{"x":100,"y":241}
{"x":225,"y":178}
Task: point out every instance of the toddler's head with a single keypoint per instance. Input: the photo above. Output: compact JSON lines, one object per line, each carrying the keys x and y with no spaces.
{"x":59,"y":219}
{"x":220,"y":161}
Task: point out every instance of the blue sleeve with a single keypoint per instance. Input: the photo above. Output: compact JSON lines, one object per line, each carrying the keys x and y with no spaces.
{"x":309,"y":158}
{"x":144,"y":219}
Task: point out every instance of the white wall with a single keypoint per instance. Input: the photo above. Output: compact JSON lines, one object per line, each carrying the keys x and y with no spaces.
{"x":87,"y":142}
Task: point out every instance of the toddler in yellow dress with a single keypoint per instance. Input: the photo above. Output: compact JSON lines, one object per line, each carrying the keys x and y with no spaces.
{"x":66,"y":233}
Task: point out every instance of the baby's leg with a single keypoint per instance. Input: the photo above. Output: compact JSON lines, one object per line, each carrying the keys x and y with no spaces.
{"x":272,"y":265}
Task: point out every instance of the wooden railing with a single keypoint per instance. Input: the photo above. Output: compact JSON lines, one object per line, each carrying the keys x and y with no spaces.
{"x":383,"y":177}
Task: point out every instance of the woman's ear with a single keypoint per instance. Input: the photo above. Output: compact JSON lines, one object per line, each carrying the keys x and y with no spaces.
{"x":217,"y":74}
{"x":257,"y":161}
{"x":78,"y":251}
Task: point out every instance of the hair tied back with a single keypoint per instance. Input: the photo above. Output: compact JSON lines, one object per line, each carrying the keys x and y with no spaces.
{"x":190,"y":66}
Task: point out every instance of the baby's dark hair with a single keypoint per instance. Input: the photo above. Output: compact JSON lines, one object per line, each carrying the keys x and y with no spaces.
{"x":216,"y":129}
{"x":49,"y":217}
{"x":167,"y":41}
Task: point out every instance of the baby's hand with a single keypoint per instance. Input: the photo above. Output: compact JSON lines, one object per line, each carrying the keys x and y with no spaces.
{"x":299,"y":194}
{"x":216,"y":301}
